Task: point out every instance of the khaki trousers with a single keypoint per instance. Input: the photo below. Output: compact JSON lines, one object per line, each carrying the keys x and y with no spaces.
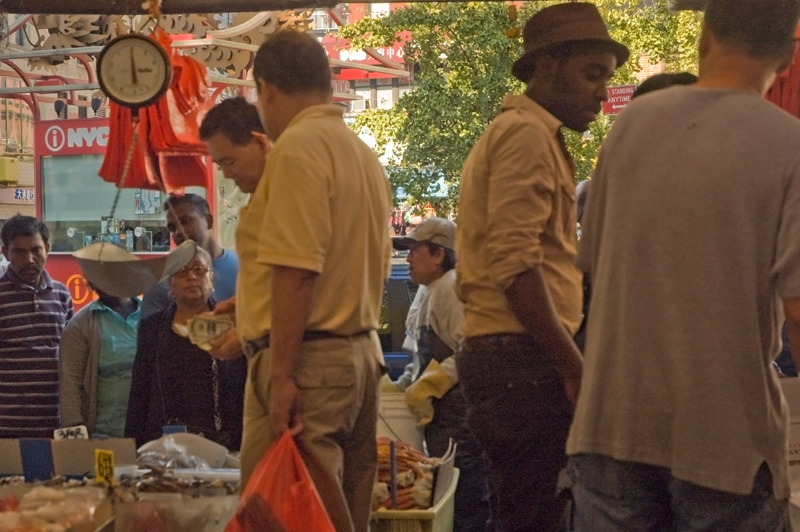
{"x":338,"y":381}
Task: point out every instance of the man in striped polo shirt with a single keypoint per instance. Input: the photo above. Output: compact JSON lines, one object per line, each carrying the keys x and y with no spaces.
{"x":33,"y":311}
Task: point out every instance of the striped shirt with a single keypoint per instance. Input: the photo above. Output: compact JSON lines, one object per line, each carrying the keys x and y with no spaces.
{"x":31,"y":321}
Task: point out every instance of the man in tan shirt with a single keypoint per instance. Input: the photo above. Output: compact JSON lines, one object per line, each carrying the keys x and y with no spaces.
{"x":519,"y":367}
{"x":314,"y":254}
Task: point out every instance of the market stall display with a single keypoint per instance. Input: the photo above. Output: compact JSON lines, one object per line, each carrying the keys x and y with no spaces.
{"x":413,"y":477}
{"x":169,"y":502}
{"x":159,"y":501}
{"x":437,"y":518}
{"x":172,"y":488}
{"x":413,"y":492}
{"x":175,"y":514}
{"x":39,"y":508}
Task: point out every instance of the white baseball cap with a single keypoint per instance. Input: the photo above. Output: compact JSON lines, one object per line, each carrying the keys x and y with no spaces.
{"x":435,"y":230}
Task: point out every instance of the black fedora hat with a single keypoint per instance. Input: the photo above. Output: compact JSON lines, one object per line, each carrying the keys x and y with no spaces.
{"x":561,"y":24}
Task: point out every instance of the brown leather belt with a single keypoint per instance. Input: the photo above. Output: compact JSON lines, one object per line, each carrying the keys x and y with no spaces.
{"x":254,"y":346}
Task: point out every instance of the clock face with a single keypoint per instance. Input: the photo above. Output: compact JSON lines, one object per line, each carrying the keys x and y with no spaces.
{"x":133,"y":70}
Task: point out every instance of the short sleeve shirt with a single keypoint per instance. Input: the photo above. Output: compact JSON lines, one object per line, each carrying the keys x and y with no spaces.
{"x":691,"y":237}
{"x":322,"y":205}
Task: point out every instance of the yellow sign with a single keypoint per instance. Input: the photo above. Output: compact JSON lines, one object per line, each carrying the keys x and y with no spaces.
{"x":104,"y":466}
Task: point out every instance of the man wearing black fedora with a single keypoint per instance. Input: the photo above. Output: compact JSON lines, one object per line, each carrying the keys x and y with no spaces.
{"x":519,"y":368}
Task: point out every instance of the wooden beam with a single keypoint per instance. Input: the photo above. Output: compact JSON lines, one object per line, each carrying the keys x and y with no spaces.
{"x":168,"y":7}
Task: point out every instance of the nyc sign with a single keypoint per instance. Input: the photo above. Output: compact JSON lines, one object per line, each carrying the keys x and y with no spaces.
{"x":72,"y":137}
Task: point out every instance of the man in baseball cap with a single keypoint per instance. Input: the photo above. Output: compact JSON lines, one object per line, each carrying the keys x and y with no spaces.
{"x":431,"y":384}
{"x":516,"y":244}
{"x":435,"y":230}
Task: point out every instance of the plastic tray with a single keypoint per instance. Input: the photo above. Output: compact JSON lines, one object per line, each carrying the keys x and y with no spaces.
{"x":438,"y":518}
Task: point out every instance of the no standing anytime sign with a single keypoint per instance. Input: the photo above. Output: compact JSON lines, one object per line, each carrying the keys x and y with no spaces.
{"x":618,"y":98}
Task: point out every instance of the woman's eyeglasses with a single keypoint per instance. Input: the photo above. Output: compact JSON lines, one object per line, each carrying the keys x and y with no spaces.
{"x":198,"y":270}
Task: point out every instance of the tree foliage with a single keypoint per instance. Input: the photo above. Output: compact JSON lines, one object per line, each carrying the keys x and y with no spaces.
{"x":461,"y":55}
{"x":654,"y":36}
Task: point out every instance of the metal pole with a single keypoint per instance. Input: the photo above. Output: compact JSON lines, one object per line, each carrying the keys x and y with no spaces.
{"x":193,"y":44}
{"x":50,"y":88}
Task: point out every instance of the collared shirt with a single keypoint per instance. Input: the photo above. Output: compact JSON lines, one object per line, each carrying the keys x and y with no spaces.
{"x":322,"y":205}
{"x":517,"y":211}
{"x":442,"y":312}
{"x":31,"y":322}
{"x":117,"y":353}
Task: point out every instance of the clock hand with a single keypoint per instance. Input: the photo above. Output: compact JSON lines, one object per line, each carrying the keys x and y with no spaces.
{"x":134,"y":80}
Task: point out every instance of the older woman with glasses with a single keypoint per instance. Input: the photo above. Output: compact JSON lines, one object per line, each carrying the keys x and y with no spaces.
{"x":175,"y":382}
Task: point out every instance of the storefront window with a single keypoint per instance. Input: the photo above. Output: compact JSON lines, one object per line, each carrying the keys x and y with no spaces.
{"x":76,"y":204}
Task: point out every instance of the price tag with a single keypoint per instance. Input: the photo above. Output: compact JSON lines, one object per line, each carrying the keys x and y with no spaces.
{"x":71,"y":433}
{"x":104,"y":466}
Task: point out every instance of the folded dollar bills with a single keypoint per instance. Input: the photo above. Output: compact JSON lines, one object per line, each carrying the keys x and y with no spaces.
{"x":204,"y":327}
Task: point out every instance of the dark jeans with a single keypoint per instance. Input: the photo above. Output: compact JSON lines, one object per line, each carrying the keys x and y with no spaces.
{"x":520,"y":414}
{"x":616,"y":496}
{"x":472,"y":507}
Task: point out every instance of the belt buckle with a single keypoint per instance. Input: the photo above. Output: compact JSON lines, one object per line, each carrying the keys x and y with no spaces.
{"x":252,"y":347}
{"x":249,"y":350}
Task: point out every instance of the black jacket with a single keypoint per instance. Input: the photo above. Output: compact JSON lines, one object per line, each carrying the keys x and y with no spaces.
{"x":172,"y":384}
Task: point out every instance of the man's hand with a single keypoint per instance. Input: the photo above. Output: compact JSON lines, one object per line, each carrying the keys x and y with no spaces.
{"x":284,"y":406}
{"x":226,"y":307}
{"x":530,"y":301}
{"x":226,"y":346}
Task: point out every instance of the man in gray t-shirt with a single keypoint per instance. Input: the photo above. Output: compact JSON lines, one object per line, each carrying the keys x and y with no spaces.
{"x":692,"y":245}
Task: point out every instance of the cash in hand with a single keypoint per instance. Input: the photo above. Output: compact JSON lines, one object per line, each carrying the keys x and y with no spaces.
{"x":204,"y":327}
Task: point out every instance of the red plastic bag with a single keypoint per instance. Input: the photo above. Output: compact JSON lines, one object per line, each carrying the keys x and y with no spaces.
{"x":280,"y":496}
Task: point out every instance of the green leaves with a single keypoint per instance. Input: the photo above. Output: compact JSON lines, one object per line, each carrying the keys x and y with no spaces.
{"x":462,"y":56}
{"x":462,"y":60}
{"x":654,"y":36}
{"x":653,"y":33}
